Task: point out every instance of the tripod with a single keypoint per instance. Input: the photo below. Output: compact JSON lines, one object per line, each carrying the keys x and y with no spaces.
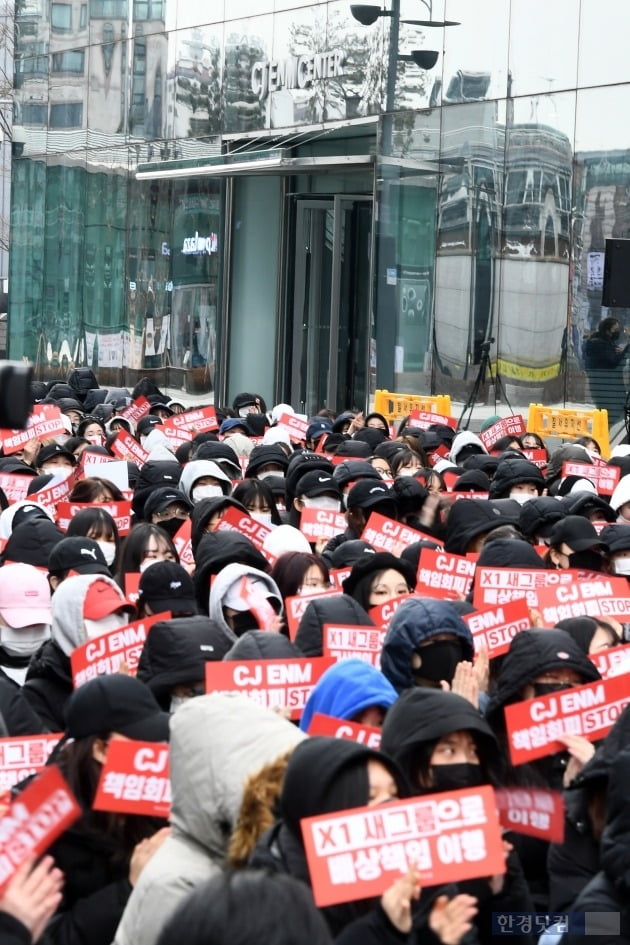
{"x":485,"y":367}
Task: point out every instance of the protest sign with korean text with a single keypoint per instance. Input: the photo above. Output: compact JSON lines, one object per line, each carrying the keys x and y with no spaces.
{"x":233,"y":520}
{"x":595,"y":595}
{"x":135,"y":779}
{"x":106,"y":653}
{"x":294,"y":608}
{"x":508,"y":426}
{"x":276,"y":684}
{"x":50,"y":495}
{"x":358,"y":854}
{"x":14,"y":486}
{"x":535,"y":725}
{"x":338,"y":576}
{"x":35,"y":819}
{"x":343,"y":642}
{"x":604,"y":478}
{"x":183,"y":543}
{"x":316,"y":524}
{"x":385,"y":534}
{"x":494,"y":628}
{"x":366,"y":735}
{"x":501,"y":585}
{"x":296,"y":426}
{"x":423,"y":419}
{"x":119,"y":511}
{"x":136,"y":410}
{"x":444,"y":575}
{"x":23,"y":755}
{"x":614,"y":661}
{"x":534,"y":812}
{"x":200,"y":420}
{"x":537,"y":457}
{"x":125,"y":446}
{"x":45,"y":421}
{"x":383,"y":613}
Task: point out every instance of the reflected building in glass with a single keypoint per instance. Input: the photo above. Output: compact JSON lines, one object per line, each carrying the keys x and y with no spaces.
{"x":221,"y":198}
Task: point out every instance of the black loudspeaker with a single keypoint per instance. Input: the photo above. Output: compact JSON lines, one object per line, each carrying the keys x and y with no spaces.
{"x":616,"y":291}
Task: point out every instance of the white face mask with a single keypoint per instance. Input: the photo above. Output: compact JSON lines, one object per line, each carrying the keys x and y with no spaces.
{"x":109,"y":551}
{"x":521,"y":497}
{"x":263,"y":517}
{"x":407,"y":471}
{"x":94,"y":628}
{"x":622,"y":566}
{"x":328,"y":503}
{"x":147,"y":564}
{"x":176,"y":702}
{"x":24,"y":641}
{"x":245,"y":411}
{"x":59,"y":472}
{"x":276,"y":473}
{"x":205,"y":492}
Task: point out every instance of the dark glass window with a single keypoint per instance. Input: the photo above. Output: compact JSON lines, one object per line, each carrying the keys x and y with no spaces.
{"x":61,"y":16}
{"x":66,"y":115}
{"x":33,"y":114}
{"x":72,"y":60}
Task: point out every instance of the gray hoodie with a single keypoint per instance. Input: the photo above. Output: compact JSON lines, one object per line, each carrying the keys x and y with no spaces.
{"x":217,"y":741}
{"x":227,"y":579}
{"x":68,"y":628}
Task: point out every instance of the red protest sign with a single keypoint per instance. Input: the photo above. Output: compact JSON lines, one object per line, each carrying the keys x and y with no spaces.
{"x":423,"y":419}
{"x":183,"y":543}
{"x":14,"y":486}
{"x":125,"y":446}
{"x":537,"y":457}
{"x":136,"y":410}
{"x":501,"y":585}
{"x":385,"y":534}
{"x":604,"y":478}
{"x":91,"y":457}
{"x":106,"y":653}
{"x":295,"y":426}
{"x":233,"y":520}
{"x":383,"y":613}
{"x":358,"y":854}
{"x":612,"y":662}
{"x":338,"y":576}
{"x":132,"y":586}
{"x":340,"y":728}
{"x":534,"y":726}
{"x":294,"y":608}
{"x":45,"y":421}
{"x":284,"y":684}
{"x":202,"y":420}
{"x":439,"y":453}
{"x":316,"y":524}
{"x":20,"y":757}
{"x":135,"y":779}
{"x":36,"y":818}
{"x":176,"y":438}
{"x":494,"y":628}
{"x":597,"y":595}
{"x":508,"y":426}
{"x":535,"y":812}
{"x":119,"y":511}
{"x":444,"y":575}
{"x":348,"y":642}
{"x":49,"y":496}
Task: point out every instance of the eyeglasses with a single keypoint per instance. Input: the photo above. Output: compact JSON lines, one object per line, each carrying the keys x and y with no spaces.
{"x":172,"y":511}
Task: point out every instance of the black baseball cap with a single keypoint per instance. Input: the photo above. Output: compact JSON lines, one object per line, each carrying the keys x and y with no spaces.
{"x":116,"y":703}
{"x":575,"y":531}
{"x":79,"y":554}
{"x":367,"y":493}
{"x":317,"y":482}
{"x":166,"y":585}
{"x":146,"y":424}
{"x":160,"y":499}
{"x":54,"y":449}
{"x":318,"y":428}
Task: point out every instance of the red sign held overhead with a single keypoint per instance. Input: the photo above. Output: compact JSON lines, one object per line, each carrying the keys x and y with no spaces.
{"x":295,"y":426}
{"x":36,"y":818}
{"x":340,"y":728}
{"x":494,"y":628}
{"x":202,"y":420}
{"x":423,"y":419}
{"x":135,"y":779}
{"x":136,"y":410}
{"x":349,"y":642}
{"x":534,"y":812}
{"x":444,"y":575}
{"x":358,"y":854}
{"x":106,"y":653}
{"x":21,"y":757}
{"x":276,"y":685}
{"x":508,"y":426}
{"x":535,"y":726}
{"x":126,"y":447}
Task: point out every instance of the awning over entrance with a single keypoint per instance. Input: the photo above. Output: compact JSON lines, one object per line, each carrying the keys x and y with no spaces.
{"x":275,"y":161}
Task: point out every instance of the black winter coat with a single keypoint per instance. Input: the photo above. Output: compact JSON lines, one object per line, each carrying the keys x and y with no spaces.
{"x":16,"y":715}
{"x":48,"y":685}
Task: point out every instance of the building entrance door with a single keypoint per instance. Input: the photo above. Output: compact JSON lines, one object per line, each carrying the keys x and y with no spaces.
{"x":331,"y":302}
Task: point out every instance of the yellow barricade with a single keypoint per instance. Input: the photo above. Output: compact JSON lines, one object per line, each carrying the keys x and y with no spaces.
{"x":397,"y":406}
{"x":569,"y":424}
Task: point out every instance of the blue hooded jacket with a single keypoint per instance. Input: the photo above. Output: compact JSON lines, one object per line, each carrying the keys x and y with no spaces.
{"x":346,"y":689}
{"x":414,"y":622}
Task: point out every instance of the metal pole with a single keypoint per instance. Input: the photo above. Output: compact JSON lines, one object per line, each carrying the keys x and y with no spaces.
{"x":392,"y":69}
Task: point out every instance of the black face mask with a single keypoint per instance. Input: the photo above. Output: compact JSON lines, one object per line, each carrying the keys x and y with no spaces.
{"x":615,"y":335}
{"x":171,"y":525}
{"x":547,"y":688}
{"x":439,"y":660}
{"x":243,"y":622}
{"x":586,"y":560}
{"x":455,"y":777}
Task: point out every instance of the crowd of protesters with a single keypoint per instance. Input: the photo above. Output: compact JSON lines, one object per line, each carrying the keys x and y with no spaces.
{"x":230,"y":865}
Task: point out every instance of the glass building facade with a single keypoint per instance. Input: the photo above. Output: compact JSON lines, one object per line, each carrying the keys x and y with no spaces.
{"x":268,"y":195}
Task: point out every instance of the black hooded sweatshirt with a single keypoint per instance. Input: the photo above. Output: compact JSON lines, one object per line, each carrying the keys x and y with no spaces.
{"x":48,"y":685}
{"x":338,"y":609}
{"x":215,"y":550}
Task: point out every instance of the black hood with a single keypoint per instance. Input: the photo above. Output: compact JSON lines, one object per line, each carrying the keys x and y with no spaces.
{"x":214,"y":552}
{"x":509,"y":553}
{"x":202,"y":513}
{"x":338,"y":609}
{"x":50,"y":662}
{"x":32,"y":541}
{"x":153,"y":475}
{"x":469,"y":518}
{"x":424,"y":715}
{"x":341,"y":782}
{"x":176,"y":652}
{"x":583,"y":503}
{"x":615,"y":848}
{"x":538,"y":516}
{"x":263,"y":645}
{"x":531,"y":653}
{"x":511,"y":472}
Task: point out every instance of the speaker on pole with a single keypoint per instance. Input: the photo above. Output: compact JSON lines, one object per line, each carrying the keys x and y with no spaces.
{"x":616,"y":290}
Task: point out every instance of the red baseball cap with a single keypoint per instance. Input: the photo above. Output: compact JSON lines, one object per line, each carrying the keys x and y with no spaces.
{"x":102,"y":599}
